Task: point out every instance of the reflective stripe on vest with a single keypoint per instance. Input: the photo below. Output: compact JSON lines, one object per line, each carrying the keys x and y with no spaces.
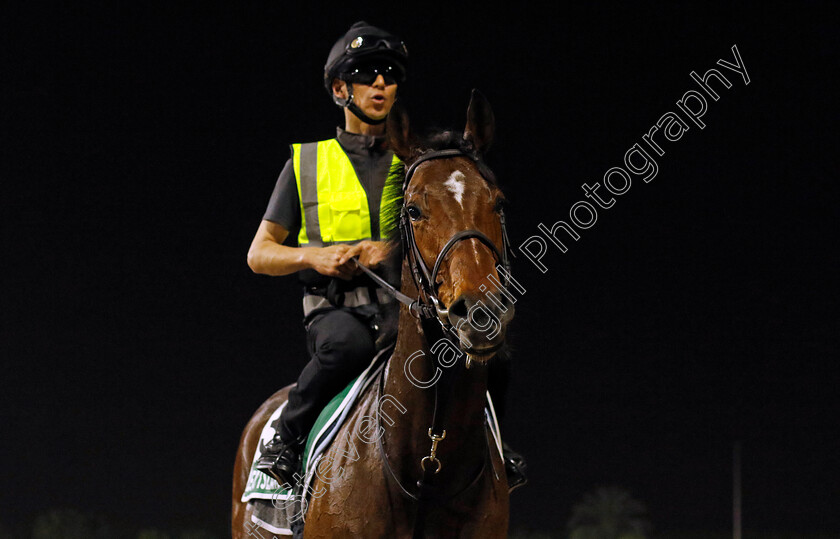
{"x":334,"y":206}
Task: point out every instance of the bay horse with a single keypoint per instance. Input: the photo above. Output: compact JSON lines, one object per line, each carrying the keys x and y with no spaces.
{"x":436,"y":469}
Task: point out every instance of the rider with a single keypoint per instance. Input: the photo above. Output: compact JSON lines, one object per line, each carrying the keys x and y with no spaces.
{"x":333,"y":195}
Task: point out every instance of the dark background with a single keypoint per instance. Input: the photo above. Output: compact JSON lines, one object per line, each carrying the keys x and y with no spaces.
{"x":140,"y":145}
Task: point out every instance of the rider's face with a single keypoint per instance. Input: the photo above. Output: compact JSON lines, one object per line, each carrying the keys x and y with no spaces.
{"x":375,"y":99}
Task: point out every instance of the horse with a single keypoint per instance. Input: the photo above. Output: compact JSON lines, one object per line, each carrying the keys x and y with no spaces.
{"x":435,"y":470}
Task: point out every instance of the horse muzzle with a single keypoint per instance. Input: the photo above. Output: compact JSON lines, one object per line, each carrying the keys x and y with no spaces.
{"x":481,"y":322}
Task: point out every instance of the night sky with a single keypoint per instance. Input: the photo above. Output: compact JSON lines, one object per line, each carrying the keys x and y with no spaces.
{"x":139,"y":148}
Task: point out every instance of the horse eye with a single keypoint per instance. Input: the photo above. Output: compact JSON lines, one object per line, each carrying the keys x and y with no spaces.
{"x":500,"y":205}
{"x":413,"y":212}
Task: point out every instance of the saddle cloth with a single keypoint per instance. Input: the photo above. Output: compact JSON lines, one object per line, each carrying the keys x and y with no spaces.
{"x":267,"y":496}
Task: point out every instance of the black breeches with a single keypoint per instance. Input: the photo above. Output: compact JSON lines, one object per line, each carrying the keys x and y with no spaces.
{"x":341,"y":346}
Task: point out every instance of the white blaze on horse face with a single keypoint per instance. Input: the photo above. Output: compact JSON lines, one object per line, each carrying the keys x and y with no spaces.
{"x":456,"y":185}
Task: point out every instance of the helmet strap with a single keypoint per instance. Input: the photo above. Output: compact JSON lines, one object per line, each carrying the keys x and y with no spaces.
{"x":354,"y":108}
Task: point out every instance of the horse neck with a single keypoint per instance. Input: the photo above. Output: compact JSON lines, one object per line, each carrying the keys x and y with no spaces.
{"x":407,"y":439}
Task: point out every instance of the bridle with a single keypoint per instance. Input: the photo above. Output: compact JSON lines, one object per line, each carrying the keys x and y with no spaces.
{"x":426,"y":280}
{"x":427,"y":306}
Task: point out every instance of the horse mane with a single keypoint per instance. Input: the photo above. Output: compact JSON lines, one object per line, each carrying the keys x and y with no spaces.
{"x":446,"y":140}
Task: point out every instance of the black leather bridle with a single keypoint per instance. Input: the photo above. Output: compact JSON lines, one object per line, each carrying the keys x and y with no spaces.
{"x":428,"y":306}
{"x":426,"y":280}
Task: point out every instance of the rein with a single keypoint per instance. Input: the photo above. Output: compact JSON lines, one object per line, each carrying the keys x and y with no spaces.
{"x":429,"y":311}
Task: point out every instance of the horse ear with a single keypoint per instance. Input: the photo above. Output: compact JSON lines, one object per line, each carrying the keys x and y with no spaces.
{"x":399,"y":135}
{"x":480,"y":122}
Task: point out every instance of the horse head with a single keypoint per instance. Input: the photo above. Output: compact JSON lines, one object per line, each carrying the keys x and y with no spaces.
{"x":453,"y":227}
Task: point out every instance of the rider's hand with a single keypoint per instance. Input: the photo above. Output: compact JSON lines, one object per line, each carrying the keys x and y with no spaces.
{"x":332,"y":261}
{"x":370,"y":253}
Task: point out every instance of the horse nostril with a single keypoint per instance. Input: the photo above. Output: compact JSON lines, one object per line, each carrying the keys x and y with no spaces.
{"x":458,"y":309}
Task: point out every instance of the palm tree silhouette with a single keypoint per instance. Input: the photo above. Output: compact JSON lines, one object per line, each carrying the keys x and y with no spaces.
{"x":608,"y":513}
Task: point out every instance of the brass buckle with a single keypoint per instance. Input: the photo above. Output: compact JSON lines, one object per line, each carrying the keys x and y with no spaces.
{"x":431,"y":457}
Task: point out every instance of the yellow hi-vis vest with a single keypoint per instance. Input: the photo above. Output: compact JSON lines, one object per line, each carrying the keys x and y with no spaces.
{"x":334,"y":206}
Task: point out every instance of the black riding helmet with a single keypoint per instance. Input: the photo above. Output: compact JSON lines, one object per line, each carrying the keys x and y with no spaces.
{"x":361,"y":44}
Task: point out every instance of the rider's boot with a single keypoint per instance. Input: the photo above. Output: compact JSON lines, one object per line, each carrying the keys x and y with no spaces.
{"x":515,"y":467}
{"x":281,"y":459}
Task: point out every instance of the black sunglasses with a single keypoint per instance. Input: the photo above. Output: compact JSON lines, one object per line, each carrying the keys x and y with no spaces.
{"x":367,"y":74}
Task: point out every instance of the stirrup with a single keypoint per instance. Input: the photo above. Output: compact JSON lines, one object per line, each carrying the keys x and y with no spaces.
{"x":515,"y":468}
